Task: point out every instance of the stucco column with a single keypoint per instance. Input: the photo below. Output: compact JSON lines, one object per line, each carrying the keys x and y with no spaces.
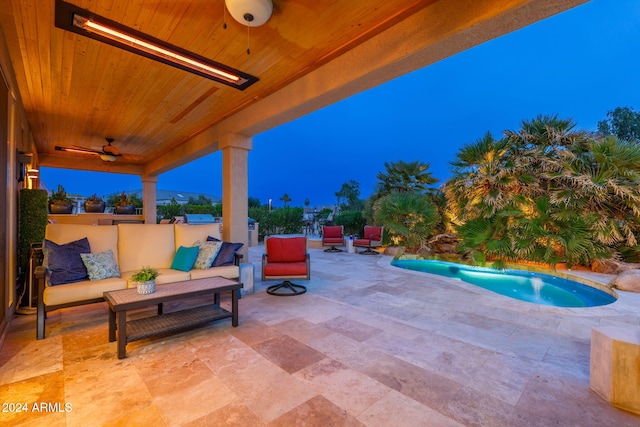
{"x":149,"y":212}
{"x":235,"y":188}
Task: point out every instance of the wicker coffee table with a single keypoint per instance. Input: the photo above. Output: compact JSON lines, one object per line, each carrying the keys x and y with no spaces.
{"x":127,"y":299}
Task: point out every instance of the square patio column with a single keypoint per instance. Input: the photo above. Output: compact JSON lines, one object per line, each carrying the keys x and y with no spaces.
{"x":235,"y":188}
{"x":149,"y":200}
{"x":615,"y":366}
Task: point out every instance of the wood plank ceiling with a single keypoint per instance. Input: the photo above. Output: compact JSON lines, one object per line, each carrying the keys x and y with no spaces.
{"x":79,"y":91}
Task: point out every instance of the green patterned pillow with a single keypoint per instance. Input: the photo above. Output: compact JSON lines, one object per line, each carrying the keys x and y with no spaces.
{"x":101,"y":265}
{"x":207,"y":253}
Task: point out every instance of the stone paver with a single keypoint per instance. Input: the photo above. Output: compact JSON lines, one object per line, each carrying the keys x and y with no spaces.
{"x":368,"y":344}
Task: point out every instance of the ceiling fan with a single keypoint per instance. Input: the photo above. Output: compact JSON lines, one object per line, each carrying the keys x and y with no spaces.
{"x":108,"y":152}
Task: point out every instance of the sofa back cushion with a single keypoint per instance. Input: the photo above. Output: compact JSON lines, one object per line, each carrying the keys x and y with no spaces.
{"x":145,"y":244}
{"x":101,"y":237}
{"x":187,"y":235}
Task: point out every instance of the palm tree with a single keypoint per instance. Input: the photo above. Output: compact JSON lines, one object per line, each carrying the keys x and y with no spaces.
{"x":404,"y":177}
{"x":546,"y":193}
{"x":483,"y":181}
{"x":545,"y":133}
{"x":485,"y":238}
{"x":400,"y":177}
{"x":286,"y":199}
{"x":552,"y":233}
{"x":408,"y":218}
{"x":604,"y":181}
{"x":540,"y":148}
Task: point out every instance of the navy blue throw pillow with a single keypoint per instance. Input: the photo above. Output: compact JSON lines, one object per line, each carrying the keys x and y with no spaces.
{"x":227,"y":253}
{"x":64,"y":261}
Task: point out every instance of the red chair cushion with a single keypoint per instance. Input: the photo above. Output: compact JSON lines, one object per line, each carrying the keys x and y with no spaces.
{"x":375,"y":233}
{"x":331,"y":232}
{"x":286,"y":249}
{"x":333,"y":240}
{"x":285,"y":269}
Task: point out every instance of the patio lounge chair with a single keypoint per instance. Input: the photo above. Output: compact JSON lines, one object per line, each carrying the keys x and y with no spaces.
{"x":332,"y":235}
{"x":372,"y":238}
{"x":286,"y":258}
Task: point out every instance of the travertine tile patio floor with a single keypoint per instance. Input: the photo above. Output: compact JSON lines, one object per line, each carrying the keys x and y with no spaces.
{"x":368,"y":344}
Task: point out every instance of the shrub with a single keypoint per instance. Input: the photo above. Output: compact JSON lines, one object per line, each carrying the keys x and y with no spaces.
{"x":352,"y":221}
{"x":408,"y":218}
{"x":170,"y":210}
{"x":286,"y":220}
{"x":32,"y":223}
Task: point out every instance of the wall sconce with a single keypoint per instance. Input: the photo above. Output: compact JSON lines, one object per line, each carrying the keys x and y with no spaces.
{"x":32,"y":178}
{"x":22,"y":159}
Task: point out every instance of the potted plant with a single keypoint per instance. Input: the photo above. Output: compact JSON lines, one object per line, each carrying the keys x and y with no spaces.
{"x":94,"y":204}
{"x":145,"y":280}
{"x":125,"y":204}
{"x":59,"y":202}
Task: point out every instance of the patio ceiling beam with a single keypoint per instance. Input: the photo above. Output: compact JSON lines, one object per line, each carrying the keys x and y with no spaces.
{"x":426,"y":37}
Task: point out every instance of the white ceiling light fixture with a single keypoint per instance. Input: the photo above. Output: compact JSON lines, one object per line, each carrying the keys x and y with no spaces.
{"x":108,"y":157}
{"x":251,"y":13}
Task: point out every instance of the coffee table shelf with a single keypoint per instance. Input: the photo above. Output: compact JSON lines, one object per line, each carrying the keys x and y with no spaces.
{"x":175,"y":321}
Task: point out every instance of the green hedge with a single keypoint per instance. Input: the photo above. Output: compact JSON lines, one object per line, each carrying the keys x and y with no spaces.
{"x":352,"y":221}
{"x":32,"y":221}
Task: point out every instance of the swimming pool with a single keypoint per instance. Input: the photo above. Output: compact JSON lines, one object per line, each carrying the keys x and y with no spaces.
{"x":528,"y":286}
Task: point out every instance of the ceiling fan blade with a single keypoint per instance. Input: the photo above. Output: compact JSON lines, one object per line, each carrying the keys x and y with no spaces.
{"x":110,"y":149}
{"x":74,"y":149}
{"x":83,"y":149}
{"x":108,"y":152}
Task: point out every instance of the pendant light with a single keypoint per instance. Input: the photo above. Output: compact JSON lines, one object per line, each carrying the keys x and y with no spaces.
{"x":251,"y":13}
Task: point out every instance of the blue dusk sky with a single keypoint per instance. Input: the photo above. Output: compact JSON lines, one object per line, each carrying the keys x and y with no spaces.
{"x":579,"y":65}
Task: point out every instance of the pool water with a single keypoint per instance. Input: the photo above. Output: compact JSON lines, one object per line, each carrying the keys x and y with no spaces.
{"x":528,"y":286}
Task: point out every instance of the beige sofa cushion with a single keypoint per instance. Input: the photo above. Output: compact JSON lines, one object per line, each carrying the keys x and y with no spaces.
{"x":166,"y":275}
{"x":101,"y":237}
{"x":81,"y":291}
{"x":228,"y":271}
{"x":186,"y":235}
{"x":140,"y":245}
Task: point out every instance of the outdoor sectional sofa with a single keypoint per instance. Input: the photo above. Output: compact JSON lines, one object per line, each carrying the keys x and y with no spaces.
{"x":133,"y":246}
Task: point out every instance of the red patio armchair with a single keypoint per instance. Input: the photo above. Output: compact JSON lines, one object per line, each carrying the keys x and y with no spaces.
{"x":286,"y":259}
{"x":372,"y":238}
{"x":332,"y":235}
